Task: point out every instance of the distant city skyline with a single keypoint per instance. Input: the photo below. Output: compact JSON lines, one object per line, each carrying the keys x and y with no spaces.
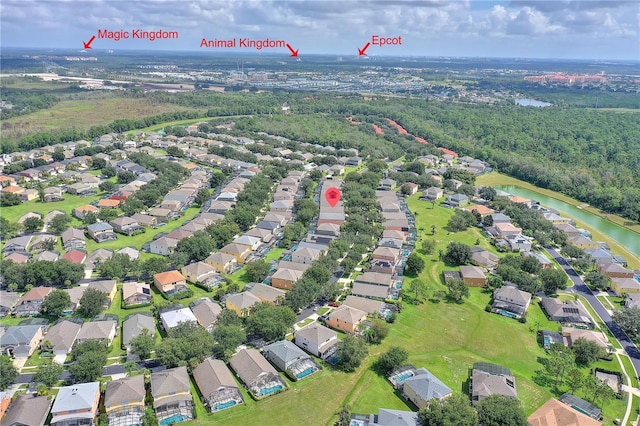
{"x":563,"y":29}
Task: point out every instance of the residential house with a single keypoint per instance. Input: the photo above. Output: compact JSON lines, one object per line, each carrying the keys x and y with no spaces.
{"x":108,"y":203}
{"x":125,"y":225}
{"x":18,"y":258}
{"x":258,"y":376}
{"x":161,"y":215}
{"x":554,"y":412}
{"x":31,"y":302}
{"x":386,"y":417}
{"x":198,"y":272}
{"x":216,"y":384}
{"x":411,"y":188}
{"x":570,"y":335}
{"x":238,"y":251}
{"x":364,"y":304}
{"x":124,"y":401}
{"x":107,"y":287}
{"x":29,"y":194}
{"x":163,"y":246}
{"x":568,"y":312}
{"x":62,"y":335}
{"x":136,"y":293}
{"x":317,"y":340}
{"x":474,"y":276}
{"x":98,"y":330}
{"x":101,"y":232}
{"x":491,"y":379}
{"x":27,"y":410}
{"x":582,"y":242}
{"x":145,"y":220}
{"x":17,"y":245}
{"x":8,"y":300}
{"x":73,"y":238}
{"x":485,"y":259}
{"x":241,"y":303}
{"x":52,"y":193}
{"x":371,"y":291}
{"x":510,"y":302}
{"x":170,"y":282}
{"x":170,"y":319}
{"x":285,"y":278}
{"x":221,"y":262}
{"x":518,"y":242}
{"x":433,"y":193}
{"x":133,"y":253}
{"x":252,"y":242}
{"x":544,"y":262}
{"x":347,"y":319}
{"x":171,"y":392}
{"x":290,"y":359}
{"x":375,"y":278}
{"x":206,"y":312}
{"x":13,"y":189}
{"x":614,"y":270}
{"x":133,"y":325}
{"x":264,"y":235}
{"x":305,"y":255}
{"x":386,"y":253}
{"x":268,"y":294}
{"x":420,"y":387}
{"x":20,"y":341}
{"x":480,"y":209}
{"x":75,"y":294}
{"x":75,"y":256}
{"x":622,"y":286}
{"x":81,"y":189}
{"x":76,"y":405}
{"x":457,"y":200}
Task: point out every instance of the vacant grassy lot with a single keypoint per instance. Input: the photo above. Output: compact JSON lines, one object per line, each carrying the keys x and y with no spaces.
{"x":70,"y":202}
{"x":84,"y":113}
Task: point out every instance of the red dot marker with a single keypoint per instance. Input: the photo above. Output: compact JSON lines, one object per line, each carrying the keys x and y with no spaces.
{"x":333,"y":196}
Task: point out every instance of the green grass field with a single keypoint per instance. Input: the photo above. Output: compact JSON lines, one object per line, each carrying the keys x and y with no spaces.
{"x":70,"y":202}
{"x":84,"y":113}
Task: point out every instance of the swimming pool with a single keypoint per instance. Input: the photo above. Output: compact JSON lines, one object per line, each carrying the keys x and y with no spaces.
{"x":507,"y":314}
{"x":305,"y":373}
{"x":270,"y":390}
{"x":176,"y":418}
{"x":403,"y":376}
{"x":225,"y":405}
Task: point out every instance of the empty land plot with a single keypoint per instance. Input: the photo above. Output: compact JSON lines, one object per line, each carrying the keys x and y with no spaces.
{"x":82,"y":114}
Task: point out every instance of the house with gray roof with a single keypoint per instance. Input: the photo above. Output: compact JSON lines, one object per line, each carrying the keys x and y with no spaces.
{"x":171,"y":392}
{"x":47,"y":256}
{"x":568,"y":312}
{"x":511,"y":302}
{"x":20,"y":341}
{"x":422,"y":387}
{"x":73,"y":238}
{"x":386,"y":417}
{"x":290,"y":359}
{"x":134,"y":324}
{"x":98,"y":330}
{"x":317,"y":340}
{"x":101,"y":232}
{"x":491,"y":379}
{"x":258,"y":376}
{"x":8,"y":300}
{"x":206,"y":312}
{"x":268,"y":294}
{"x":76,"y":405}
{"x":17,"y":245}
{"x":27,"y":410}
{"x":62,"y":335}
{"x":218,"y":388}
{"x":124,"y":401}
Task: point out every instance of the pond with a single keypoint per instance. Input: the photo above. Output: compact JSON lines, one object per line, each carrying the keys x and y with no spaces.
{"x":532,"y":102}
{"x":626,"y":237}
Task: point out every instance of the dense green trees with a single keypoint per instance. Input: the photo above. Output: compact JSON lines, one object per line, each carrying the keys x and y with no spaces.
{"x":455,"y":410}
{"x":270,"y":322}
{"x":187,"y":343}
{"x":143,"y":344}
{"x":56,"y":302}
{"x":586,"y":351}
{"x":392,"y":359}
{"x":598,"y":281}
{"x":461,"y":220}
{"x":89,"y":358}
{"x":38,"y":273}
{"x":59,"y":223}
{"x":499,"y":410}
{"x":629,"y":320}
{"x":32,"y":224}
{"x":457,"y":254}
{"x":8,"y":373}
{"x":228,"y":338}
{"x":48,"y":373}
{"x":415,"y":265}
{"x":91,"y":303}
{"x":351,"y":351}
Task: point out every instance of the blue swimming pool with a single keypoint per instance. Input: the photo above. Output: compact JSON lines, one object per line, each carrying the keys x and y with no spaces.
{"x":224,"y":405}
{"x":305,"y":373}
{"x":176,"y":418}
{"x":270,"y":390}
{"x":403,"y":376}
{"x":507,"y":314}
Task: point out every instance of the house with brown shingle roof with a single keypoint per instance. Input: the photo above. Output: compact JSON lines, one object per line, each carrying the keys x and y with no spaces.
{"x":135,"y":293}
{"x":31,"y":302}
{"x":218,"y":388}
{"x":285,"y":278}
{"x":170,"y":282}
{"x":258,"y":376}
{"x":124,"y":400}
{"x":346,"y":319}
{"x":238,"y":251}
{"x":81,"y":211}
{"x":171,"y":392}
{"x":555,"y":413}
{"x":198,"y":272}
{"x":206,"y":312}
{"x":221,"y":262}
{"x":268,"y":294}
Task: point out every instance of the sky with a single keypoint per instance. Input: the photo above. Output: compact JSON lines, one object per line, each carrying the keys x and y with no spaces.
{"x":564,"y":29}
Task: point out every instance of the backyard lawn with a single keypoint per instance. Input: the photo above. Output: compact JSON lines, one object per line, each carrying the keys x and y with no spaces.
{"x":70,"y":202}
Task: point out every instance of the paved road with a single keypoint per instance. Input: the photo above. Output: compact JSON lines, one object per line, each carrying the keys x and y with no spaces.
{"x":579,"y":287}
{"x":106,"y":371}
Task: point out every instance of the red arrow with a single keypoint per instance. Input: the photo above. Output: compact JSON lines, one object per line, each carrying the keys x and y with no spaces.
{"x":293,"y":52}
{"x":361,"y":51}
{"x":87,"y":45}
